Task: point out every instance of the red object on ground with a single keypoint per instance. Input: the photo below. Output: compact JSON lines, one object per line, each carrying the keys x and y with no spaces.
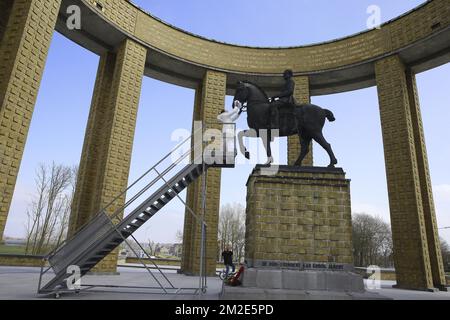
{"x":235,"y":281}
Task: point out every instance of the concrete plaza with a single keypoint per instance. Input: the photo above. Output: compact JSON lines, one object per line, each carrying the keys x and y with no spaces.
{"x":20,"y":283}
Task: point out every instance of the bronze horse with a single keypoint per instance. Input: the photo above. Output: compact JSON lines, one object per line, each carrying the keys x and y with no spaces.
{"x":305,"y":120}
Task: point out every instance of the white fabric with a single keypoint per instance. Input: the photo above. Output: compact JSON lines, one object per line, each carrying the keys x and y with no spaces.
{"x":228,"y":118}
{"x":232,"y":116}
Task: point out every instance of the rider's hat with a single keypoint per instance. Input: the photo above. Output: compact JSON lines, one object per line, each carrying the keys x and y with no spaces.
{"x":288,"y":72}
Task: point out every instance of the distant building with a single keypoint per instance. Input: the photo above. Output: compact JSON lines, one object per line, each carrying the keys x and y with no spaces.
{"x":14,"y":242}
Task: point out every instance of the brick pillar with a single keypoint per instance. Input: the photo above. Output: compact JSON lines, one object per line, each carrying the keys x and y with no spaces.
{"x":106,"y":156}
{"x":212,"y":101}
{"x":301,"y":95}
{"x":434,"y":245}
{"x":192,"y":193}
{"x":417,"y":257}
{"x":23,"y":53}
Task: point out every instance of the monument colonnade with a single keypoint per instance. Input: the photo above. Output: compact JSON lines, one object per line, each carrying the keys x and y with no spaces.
{"x":132,"y":43}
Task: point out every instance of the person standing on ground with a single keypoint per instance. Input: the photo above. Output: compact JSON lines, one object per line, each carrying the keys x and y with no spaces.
{"x":227,"y":255}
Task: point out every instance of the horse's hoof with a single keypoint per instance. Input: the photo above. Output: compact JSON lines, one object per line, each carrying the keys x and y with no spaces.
{"x":269,"y":162}
{"x":331,"y":166}
{"x":247,"y":155}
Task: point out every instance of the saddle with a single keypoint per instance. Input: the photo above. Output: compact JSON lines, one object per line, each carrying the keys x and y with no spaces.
{"x":283,"y":118}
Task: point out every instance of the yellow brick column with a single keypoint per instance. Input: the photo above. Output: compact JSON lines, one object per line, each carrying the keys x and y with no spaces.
{"x":301,"y":95}
{"x":106,"y":156}
{"x":191,"y":196}
{"x":411,"y":207}
{"x":212,"y":102}
{"x":25,"y":39}
{"x":434,"y":245}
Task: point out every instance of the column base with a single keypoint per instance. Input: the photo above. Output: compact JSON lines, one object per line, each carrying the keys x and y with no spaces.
{"x":316,"y":280}
{"x":240,"y":293}
{"x":436,"y":289}
{"x":272,"y":284}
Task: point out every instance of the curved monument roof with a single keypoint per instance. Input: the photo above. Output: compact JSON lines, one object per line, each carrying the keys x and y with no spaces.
{"x":268,"y":47}
{"x":421,"y":37}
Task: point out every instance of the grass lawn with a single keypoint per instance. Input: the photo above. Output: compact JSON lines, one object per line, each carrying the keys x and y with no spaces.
{"x":12,"y":249}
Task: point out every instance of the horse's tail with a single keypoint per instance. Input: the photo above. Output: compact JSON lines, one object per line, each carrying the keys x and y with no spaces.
{"x":329,"y":115}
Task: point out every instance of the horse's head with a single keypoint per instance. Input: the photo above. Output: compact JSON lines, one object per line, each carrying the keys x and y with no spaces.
{"x":242,"y":93}
{"x":250,"y":93}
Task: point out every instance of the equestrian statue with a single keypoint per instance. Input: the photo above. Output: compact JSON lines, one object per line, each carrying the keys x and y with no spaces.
{"x":280,"y":113}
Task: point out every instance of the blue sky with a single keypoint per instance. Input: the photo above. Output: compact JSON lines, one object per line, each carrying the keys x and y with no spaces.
{"x":61,"y":112}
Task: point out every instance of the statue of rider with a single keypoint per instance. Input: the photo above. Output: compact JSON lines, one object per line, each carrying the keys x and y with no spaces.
{"x":284,"y":98}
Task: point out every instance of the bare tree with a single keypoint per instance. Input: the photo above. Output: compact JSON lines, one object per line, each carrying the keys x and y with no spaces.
{"x":372,"y":241}
{"x":231,"y":230}
{"x":48,"y":213}
{"x":151,"y":247}
{"x":36,"y":209}
{"x":445,"y":250}
{"x":63,"y":221}
{"x":179,"y":236}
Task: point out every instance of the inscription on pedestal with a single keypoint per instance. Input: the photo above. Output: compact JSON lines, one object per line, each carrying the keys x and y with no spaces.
{"x":302,"y":265}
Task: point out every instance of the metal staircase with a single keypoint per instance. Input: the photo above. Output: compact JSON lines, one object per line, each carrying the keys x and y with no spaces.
{"x":104,"y":233}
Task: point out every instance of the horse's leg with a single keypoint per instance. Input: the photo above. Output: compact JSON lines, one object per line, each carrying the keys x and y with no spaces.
{"x":242,"y":148}
{"x":303,"y":151}
{"x":266,"y":141}
{"x":246,"y":133}
{"x":321,"y":140}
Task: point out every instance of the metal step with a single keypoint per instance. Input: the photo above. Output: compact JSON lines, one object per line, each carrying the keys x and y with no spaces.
{"x":157,"y":205}
{"x":178,"y":188}
{"x":170,"y":194}
{"x":150,"y":213}
{"x":182,"y":183}
{"x":188,"y":179}
{"x":163,"y":201}
{"x":96,"y":258}
{"x":141,"y":219}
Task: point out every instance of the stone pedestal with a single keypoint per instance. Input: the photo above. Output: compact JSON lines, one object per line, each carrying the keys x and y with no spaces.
{"x":298,"y":236}
{"x":299,"y":218}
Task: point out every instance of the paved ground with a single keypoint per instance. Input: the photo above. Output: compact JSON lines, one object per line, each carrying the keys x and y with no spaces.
{"x":22,"y":282}
{"x":399,"y":294}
